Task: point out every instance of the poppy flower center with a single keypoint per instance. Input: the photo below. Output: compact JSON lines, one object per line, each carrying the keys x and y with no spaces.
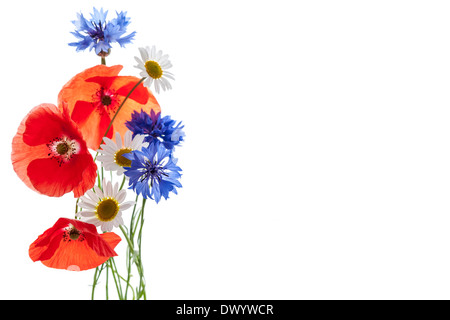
{"x":62,"y":149}
{"x":106,"y":100}
{"x":72,"y":234}
{"x":120,"y":160}
{"x":107,"y":209}
{"x":153,"y":69}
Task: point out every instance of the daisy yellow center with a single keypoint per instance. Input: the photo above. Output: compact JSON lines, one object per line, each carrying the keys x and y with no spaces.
{"x":153,"y":69}
{"x":120,"y":160}
{"x":107,"y":209}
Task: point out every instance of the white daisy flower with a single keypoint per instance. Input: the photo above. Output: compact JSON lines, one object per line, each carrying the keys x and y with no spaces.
{"x":111,"y":153}
{"x":104,"y":208}
{"x":154,"y":67}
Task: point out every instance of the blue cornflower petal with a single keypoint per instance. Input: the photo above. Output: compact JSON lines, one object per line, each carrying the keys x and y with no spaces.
{"x":99,"y":16}
{"x":153,"y":173}
{"x":99,"y":33}
{"x":126,"y":40}
{"x":156,"y":129}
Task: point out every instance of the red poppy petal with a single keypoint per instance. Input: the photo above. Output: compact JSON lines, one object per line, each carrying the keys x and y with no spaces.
{"x":84,"y":88}
{"x":88,"y":168}
{"x":50,"y":177}
{"x":32,"y":157}
{"x":111,"y":238}
{"x":82,"y":111}
{"x":88,"y":251}
{"x":77,"y":89}
{"x":41,"y":244}
{"x":42,"y":124}
{"x":74,"y":255}
{"x":104,"y":82}
{"x":104,"y":245}
{"x":104,"y":123}
{"x":140,"y":94}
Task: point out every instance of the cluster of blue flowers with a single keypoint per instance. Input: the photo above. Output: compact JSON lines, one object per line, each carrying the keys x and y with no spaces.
{"x":154,"y":172}
{"x":156,"y":129}
{"x":97,"y":33}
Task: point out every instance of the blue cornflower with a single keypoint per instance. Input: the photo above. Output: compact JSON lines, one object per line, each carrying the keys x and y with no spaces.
{"x":99,"y":34}
{"x":153,"y":172}
{"x":156,"y":129}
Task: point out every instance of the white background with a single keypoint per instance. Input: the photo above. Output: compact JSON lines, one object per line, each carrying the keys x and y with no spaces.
{"x":316,"y":163}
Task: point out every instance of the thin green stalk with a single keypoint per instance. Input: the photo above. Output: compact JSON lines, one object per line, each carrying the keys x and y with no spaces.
{"x":129,"y":253}
{"x":137,"y":261}
{"x":130,"y":244}
{"x":94,"y":283}
{"x":116,"y":277}
{"x":76,"y":207}
{"x":128,"y":285}
{"x":107,"y":281}
{"x":139,"y":240}
{"x":123,"y":182}
{"x":97,"y":274}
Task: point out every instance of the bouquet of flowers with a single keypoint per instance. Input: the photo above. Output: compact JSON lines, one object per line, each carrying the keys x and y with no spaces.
{"x":105,"y":127}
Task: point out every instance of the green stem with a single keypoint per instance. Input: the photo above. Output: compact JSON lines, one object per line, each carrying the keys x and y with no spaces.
{"x":94,"y":283}
{"x":107,"y":280}
{"x":123,"y":182}
{"x":139,"y":258}
{"x":116,"y":276}
{"x":129,"y":253}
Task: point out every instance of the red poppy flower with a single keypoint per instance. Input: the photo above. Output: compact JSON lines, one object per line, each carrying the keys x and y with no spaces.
{"x":50,"y":155}
{"x":93,"y":97}
{"x":73,"y":245}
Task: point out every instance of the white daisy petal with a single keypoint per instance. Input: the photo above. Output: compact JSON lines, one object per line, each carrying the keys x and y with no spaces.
{"x":107,"y":226}
{"x":118,"y":141}
{"x":87,"y":213}
{"x":107,"y":189}
{"x":109,"y":142}
{"x":136,"y":144}
{"x":108,"y":149}
{"x":157,"y":86}
{"x":94,"y":221}
{"x":115,"y":189}
{"x":86,"y":205}
{"x":148,"y":82}
{"x":91,"y":199}
{"x":128,"y":139}
{"x":121,"y":195}
{"x":139,"y":61}
{"x":99,"y":192}
{"x":120,"y":220}
{"x":144,"y":54}
{"x":126,"y":205}
{"x":152,"y":54}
